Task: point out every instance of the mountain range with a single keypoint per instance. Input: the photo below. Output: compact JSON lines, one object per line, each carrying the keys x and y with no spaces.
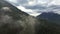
{"x":50,"y":16}
{"x":45,"y":23}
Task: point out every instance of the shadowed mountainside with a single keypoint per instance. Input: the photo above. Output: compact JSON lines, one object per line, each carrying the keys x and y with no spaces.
{"x":50,"y":16}
{"x":15,"y":21}
{"x":49,"y":23}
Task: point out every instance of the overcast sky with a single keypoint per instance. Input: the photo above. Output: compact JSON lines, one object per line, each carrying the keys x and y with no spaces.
{"x":36,"y":7}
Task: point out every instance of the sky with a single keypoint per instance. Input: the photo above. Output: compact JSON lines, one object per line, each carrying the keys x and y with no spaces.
{"x":36,"y":7}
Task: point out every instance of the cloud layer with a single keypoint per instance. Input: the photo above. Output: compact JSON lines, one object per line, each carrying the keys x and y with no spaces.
{"x":36,"y":7}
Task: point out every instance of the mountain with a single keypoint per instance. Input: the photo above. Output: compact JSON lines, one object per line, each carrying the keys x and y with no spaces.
{"x":49,"y":23}
{"x":50,"y":16}
{"x":15,"y":21}
{"x":8,"y":5}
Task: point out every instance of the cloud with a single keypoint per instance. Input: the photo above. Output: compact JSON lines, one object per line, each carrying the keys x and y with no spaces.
{"x":57,"y":2}
{"x":17,"y":2}
{"x":36,"y":7}
{"x":40,"y":7}
{"x":29,"y":11}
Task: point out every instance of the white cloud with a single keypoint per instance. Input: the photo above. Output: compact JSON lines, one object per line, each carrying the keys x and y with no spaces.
{"x":14,"y":1}
{"x":32,"y":2}
{"x":29,"y":3}
{"x":57,"y":2}
{"x":29,"y":11}
{"x":24,"y":9}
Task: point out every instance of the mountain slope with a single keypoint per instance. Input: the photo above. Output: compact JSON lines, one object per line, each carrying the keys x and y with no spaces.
{"x":15,"y":21}
{"x":50,"y":16}
{"x":49,"y":23}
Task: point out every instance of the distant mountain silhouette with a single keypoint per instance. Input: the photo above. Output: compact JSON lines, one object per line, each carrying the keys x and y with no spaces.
{"x":49,"y":23}
{"x":50,"y":16}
